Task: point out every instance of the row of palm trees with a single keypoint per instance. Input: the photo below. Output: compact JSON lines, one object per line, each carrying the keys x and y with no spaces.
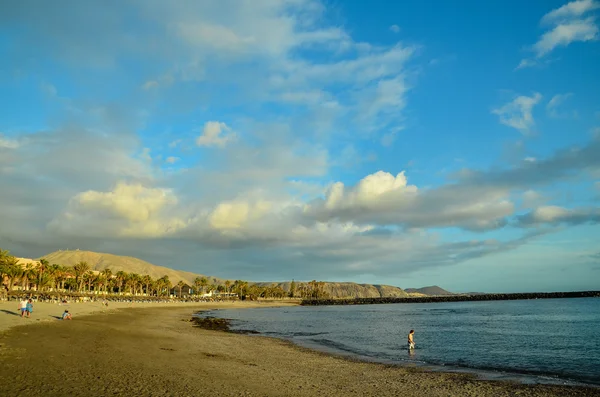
{"x":44,"y":276}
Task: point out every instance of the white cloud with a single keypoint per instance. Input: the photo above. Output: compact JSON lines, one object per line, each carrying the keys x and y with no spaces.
{"x":150,"y":84}
{"x":573,"y":9}
{"x":531,"y":198}
{"x":215,"y":133}
{"x":7,"y":143}
{"x":383,"y":199}
{"x":236,"y":214}
{"x":566,"y":25}
{"x":172,"y":159}
{"x":564,"y":34}
{"x":555,"y":215}
{"x":395,"y":28}
{"x":555,"y":102}
{"x":128,"y":210}
{"x":518,"y":113}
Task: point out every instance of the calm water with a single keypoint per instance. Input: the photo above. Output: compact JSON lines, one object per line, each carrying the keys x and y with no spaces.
{"x":546,"y":338}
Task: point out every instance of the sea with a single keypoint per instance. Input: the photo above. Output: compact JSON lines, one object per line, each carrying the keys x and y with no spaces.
{"x":532,"y":341}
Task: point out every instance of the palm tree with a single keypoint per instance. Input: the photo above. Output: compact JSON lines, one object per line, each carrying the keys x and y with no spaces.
{"x":166,"y":283}
{"x":107,"y":273}
{"x":65,"y":273}
{"x":120,"y":277}
{"x":197,"y":285}
{"x":28,"y":273}
{"x":132,"y":283}
{"x":180,"y":285}
{"x":147,"y":281}
{"x":11,"y":270}
{"x":44,"y":281}
{"x":80,"y":270}
{"x":228,"y":285}
{"x":203,"y":283}
{"x":90,"y":279}
{"x":42,"y":269}
{"x":53,"y":271}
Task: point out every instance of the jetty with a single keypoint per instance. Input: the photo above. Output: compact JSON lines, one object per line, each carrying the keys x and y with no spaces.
{"x":452,"y":298}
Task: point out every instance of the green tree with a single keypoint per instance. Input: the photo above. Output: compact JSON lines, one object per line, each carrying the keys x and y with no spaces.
{"x":120,"y":278}
{"x":41,"y":270}
{"x":180,"y":285}
{"x":197,"y":285}
{"x":292,"y":289}
{"x":107,"y":274}
{"x":80,"y":269}
{"x":146,"y":280}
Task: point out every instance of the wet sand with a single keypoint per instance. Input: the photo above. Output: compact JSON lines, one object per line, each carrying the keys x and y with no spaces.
{"x":158,"y":352}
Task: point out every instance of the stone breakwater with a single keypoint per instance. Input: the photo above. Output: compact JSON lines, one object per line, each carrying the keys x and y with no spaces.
{"x":452,"y":298}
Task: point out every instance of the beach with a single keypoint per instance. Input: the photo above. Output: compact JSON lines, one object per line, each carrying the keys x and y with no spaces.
{"x":156,"y":351}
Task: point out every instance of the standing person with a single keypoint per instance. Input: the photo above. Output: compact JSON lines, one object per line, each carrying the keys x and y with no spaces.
{"x":29,"y":308}
{"x":23,"y":306}
{"x":411,"y":340}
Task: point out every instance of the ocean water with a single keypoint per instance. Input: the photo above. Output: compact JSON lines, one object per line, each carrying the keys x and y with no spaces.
{"x":553,"y":340}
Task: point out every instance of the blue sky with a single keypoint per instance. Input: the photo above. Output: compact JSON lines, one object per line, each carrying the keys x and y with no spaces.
{"x":410,"y":144}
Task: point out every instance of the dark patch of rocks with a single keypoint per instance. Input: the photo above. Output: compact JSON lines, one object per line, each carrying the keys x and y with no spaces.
{"x":452,"y":298}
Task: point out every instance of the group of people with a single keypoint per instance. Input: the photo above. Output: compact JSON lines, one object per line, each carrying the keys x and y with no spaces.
{"x":26,"y":308}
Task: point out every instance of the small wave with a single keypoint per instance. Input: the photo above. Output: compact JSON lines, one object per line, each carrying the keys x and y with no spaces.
{"x":335,"y":345}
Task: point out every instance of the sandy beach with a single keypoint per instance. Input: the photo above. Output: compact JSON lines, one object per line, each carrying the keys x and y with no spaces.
{"x":156,"y":351}
{"x":50,"y":312}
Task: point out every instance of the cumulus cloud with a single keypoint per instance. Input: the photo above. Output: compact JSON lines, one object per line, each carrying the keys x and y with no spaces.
{"x":395,"y":28}
{"x":384,"y":199}
{"x":127,"y":210}
{"x":566,"y":25}
{"x":518,"y":113}
{"x":215,"y":133}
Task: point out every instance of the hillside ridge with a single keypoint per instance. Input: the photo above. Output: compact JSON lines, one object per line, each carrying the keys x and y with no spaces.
{"x":99,"y":261}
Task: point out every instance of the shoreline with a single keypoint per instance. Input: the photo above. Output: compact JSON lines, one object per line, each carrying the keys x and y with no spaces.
{"x":44,"y":312}
{"x":222,"y":324}
{"x":157,"y":351}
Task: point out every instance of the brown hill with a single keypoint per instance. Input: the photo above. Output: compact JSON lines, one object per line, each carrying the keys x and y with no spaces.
{"x":433,"y":290}
{"x":100,"y":261}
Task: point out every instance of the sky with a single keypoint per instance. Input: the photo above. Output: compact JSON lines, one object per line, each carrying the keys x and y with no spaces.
{"x":407,"y":143}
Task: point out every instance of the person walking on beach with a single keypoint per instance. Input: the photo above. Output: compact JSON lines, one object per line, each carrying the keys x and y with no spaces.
{"x":23,"y":306}
{"x":29,"y":308}
{"x":411,"y":340}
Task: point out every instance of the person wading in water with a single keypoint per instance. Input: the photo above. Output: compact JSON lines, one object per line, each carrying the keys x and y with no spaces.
{"x":411,"y":340}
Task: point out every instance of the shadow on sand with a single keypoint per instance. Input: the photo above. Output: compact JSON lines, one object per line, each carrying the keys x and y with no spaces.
{"x":56,"y":317}
{"x":9,"y":312}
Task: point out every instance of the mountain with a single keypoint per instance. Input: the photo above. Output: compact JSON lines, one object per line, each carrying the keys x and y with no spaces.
{"x":351,"y":290}
{"x":433,"y":290}
{"x":100,"y":261}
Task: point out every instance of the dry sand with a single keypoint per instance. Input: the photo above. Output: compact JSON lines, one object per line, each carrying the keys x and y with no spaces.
{"x":43,"y":312}
{"x":158,"y":352}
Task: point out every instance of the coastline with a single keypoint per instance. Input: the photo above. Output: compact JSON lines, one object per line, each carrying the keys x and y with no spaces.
{"x":157,"y":351}
{"x":218,"y":322}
